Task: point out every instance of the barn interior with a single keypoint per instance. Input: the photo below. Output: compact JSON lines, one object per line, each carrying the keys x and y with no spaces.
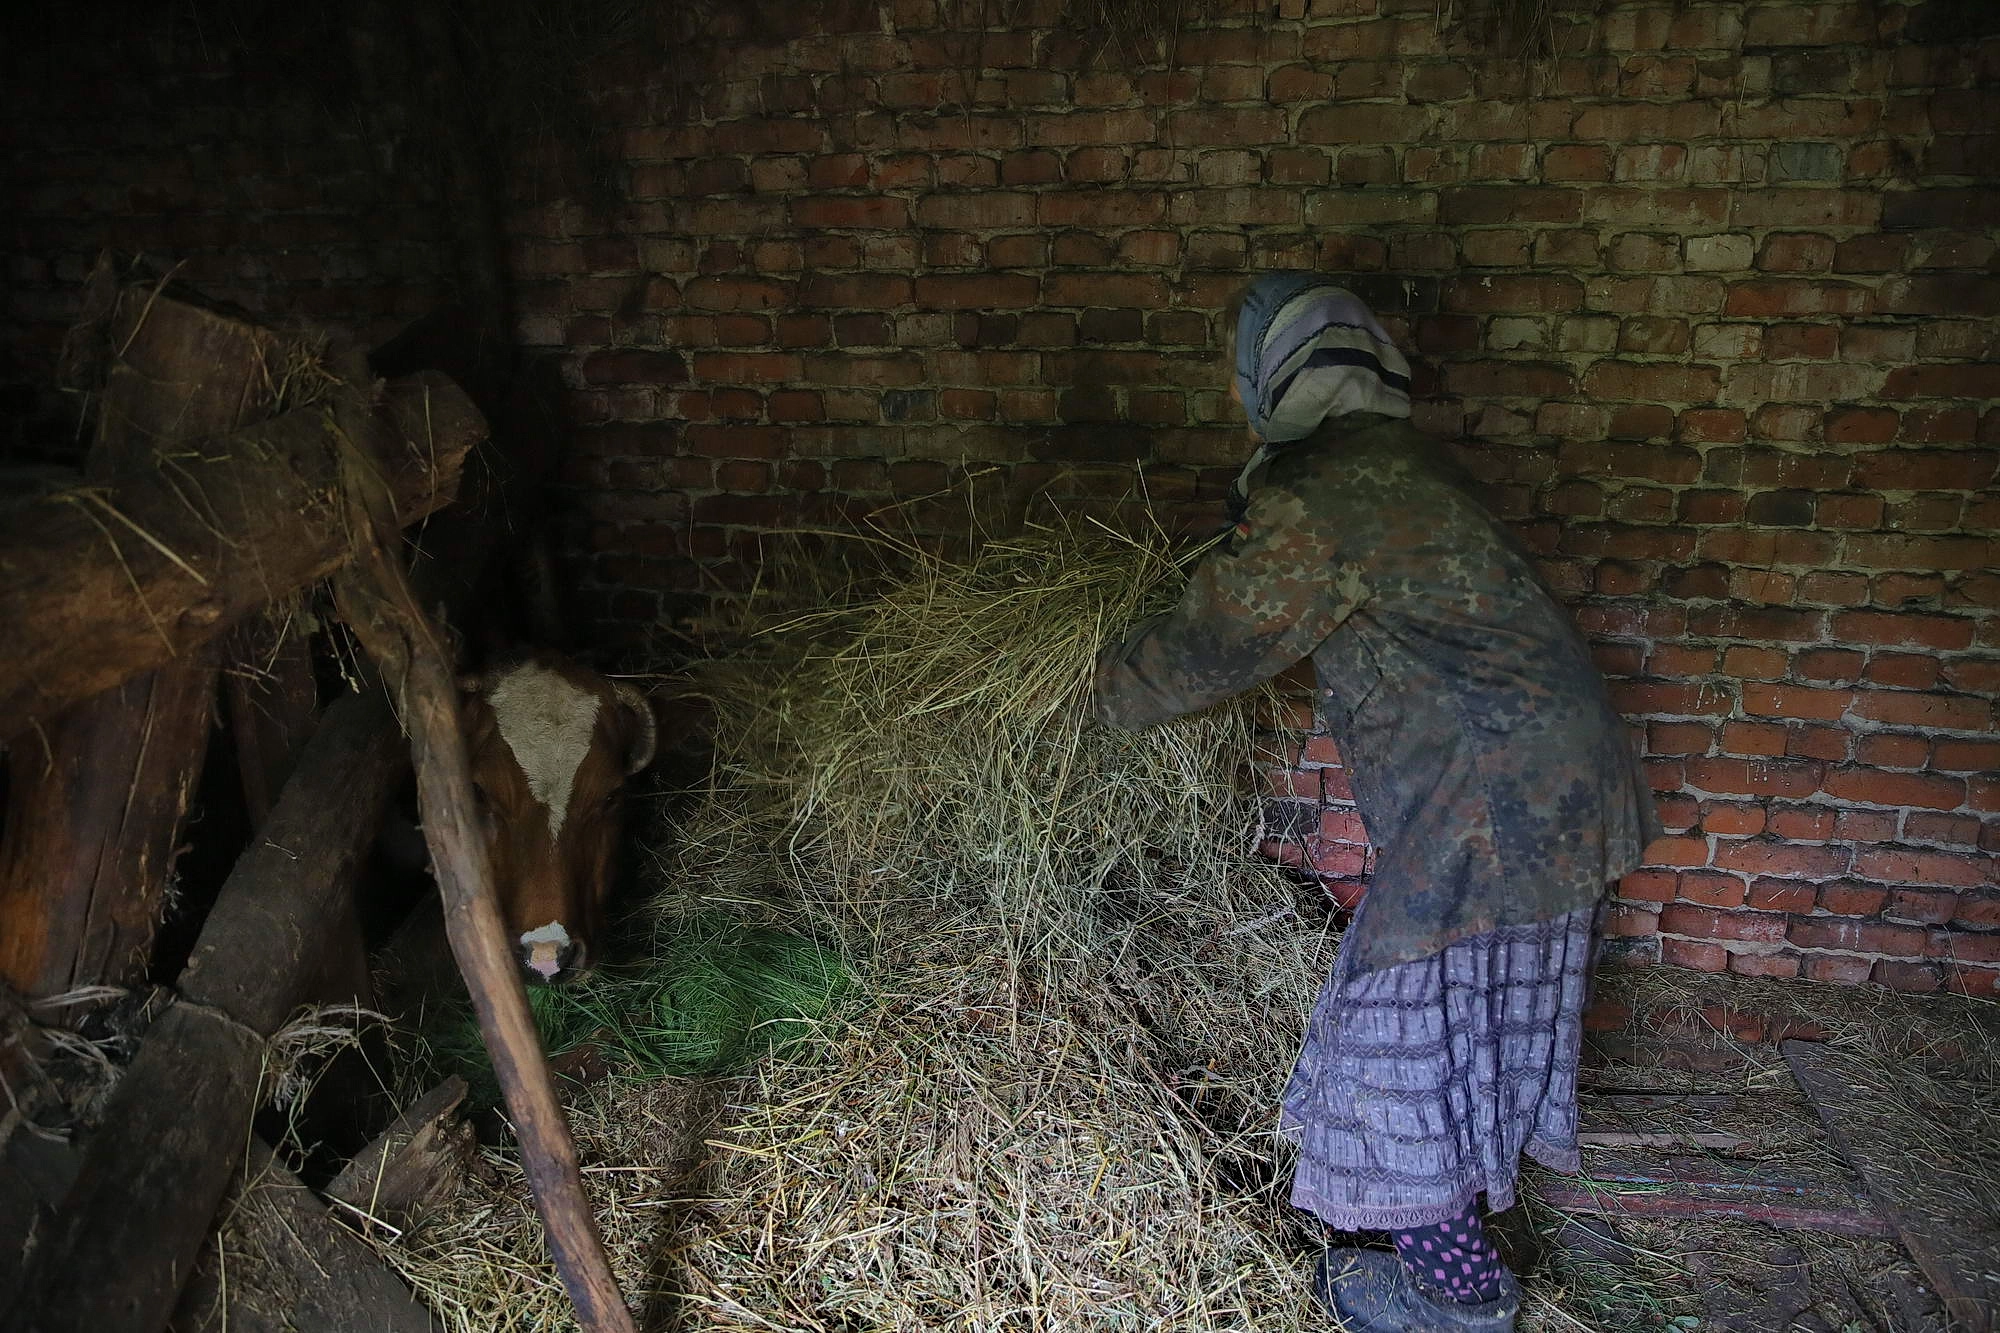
{"x":838,"y":376}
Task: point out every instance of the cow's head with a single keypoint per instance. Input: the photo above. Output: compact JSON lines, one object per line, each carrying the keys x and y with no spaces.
{"x":552,"y":744}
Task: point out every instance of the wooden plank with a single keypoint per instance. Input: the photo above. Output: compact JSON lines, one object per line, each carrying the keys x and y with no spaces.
{"x":413,"y":1166}
{"x":101,"y":583}
{"x":1662,"y":1200}
{"x":377,"y":603}
{"x":175,"y":1128}
{"x":1965,"y":1270}
{"x":281,"y":1263}
{"x":1640,"y":1184}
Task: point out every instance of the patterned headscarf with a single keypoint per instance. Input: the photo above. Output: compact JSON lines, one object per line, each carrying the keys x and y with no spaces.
{"x":1306,"y":350}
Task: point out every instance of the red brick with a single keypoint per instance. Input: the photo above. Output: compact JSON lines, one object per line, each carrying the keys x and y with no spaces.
{"x":1708,"y":888}
{"x":1626,"y":921}
{"x":1782,"y":895}
{"x":1653,"y":381}
{"x":1694,"y":954}
{"x":1794,"y":701}
{"x":941,"y":291}
{"x":1953,"y":756}
{"x":1708,"y":923}
{"x":1862,"y":425}
{"x":1899,"y":865}
{"x":1855,"y":936}
{"x":1840,"y":969}
{"x":1918,"y":977}
{"x":1494,"y":203}
{"x":1806,"y":823}
{"x":1828,"y":743}
{"x":1877,"y":787}
{"x":1903,"y":629}
{"x":1677,"y":851}
{"x":1733,"y":821}
{"x":1909,"y":671}
{"x":1893,"y":750}
{"x":1764,"y":964}
{"x":634,"y":366}
{"x":1658,"y":886}
{"x":1923,"y":906}
{"x":1947,"y":711}
{"x":1764,"y":297}
{"x":1851,"y":899}
{"x":849,"y":211}
{"x":1983,"y":982}
{"x":1836,"y":665}
{"x":1679,"y":737}
{"x":1943,"y":381}
{"x":1794,"y":860}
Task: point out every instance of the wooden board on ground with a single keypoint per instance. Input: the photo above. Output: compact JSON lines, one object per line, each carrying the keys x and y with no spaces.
{"x":280,"y":1263}
{"x":1956,"y":1251}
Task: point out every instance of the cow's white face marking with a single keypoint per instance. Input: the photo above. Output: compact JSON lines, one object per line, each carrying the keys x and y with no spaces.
{"x":544,"y":947}
{"x":548,"y":723}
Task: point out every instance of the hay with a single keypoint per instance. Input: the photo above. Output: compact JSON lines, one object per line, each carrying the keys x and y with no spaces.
{"x":1055,"y":1107}
{"x":924,"y":745}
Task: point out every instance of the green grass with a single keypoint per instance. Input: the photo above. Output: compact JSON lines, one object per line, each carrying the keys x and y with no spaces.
{"x":713,"y":995}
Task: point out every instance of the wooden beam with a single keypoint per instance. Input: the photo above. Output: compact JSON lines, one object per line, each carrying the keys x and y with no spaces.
{"x":1956,"y":1252}
{"x":101,"y":583}
{"x":175,"y":1128}
{"x":376,"y":602}
{"x":281,"y":1263}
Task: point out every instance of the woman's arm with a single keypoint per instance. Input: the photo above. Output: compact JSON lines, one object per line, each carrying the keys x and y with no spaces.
{"x":1256,"y":605}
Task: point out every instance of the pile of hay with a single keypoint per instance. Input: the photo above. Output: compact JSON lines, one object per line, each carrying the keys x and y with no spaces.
{"x":1052,"y":1104}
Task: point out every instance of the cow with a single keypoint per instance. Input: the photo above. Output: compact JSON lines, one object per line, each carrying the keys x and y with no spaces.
{"x":552,"y":743}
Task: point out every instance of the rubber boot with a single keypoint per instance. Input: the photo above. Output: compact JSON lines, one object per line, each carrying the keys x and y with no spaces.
{"x":1373,"y":1291}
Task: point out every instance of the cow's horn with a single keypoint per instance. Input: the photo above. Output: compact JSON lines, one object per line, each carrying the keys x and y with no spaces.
{"x":647,"y":734}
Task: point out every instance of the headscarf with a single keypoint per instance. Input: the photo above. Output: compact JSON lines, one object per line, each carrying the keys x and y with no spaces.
{"x":1307,"y":349}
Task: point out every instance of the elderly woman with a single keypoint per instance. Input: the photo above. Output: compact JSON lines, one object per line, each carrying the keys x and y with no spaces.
{"x":1498,"y":785}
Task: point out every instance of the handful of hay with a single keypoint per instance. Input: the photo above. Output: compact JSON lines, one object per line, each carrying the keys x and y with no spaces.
{"x":925,"y":747}
{"x":1053,"y":1106}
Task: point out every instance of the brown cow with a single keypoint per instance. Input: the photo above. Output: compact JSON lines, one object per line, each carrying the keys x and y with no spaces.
{"x":552,"y":743}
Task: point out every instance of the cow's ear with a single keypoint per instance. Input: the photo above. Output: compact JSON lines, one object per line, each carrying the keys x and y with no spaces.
{"x":644,"y":730}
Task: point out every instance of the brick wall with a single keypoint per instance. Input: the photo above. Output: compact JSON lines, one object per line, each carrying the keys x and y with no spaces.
{"x":239,"y":159}
{"x":1712,"y":307}
{"x":1710,"y":303}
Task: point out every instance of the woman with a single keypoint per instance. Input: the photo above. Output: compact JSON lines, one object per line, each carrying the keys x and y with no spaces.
{"x":1499,"y":788}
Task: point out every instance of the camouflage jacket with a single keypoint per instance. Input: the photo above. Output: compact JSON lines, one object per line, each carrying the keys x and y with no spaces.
{"x":1497,"y":783}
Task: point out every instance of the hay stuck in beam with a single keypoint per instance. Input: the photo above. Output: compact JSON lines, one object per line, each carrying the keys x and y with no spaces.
{"x":1052,"y":1105}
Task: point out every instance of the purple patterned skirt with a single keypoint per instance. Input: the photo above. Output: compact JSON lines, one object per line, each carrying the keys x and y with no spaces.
{"x":1420,"y":1085}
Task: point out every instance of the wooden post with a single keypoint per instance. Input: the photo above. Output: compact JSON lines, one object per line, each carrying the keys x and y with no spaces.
{"x":376,"y":602}
{"x":94,"y":827}
{"x":271,"y":702}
